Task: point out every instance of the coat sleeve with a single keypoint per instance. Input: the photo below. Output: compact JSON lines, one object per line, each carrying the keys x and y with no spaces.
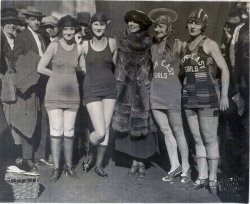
{"x":19,"y":47}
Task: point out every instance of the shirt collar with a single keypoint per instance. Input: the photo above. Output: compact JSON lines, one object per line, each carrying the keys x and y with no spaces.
{"x":33,"y":32}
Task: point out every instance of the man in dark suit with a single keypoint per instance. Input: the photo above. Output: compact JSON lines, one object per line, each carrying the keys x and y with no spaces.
{"x":31,"y":119}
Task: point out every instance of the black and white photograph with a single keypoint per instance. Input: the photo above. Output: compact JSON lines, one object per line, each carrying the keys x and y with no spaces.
{"x":115,"y":101}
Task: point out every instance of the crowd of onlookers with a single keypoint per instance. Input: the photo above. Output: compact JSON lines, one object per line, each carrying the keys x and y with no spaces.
{"x":58,"y":75}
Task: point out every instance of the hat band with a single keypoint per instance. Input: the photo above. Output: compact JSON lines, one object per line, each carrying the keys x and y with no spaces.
{"x":33,"y":13}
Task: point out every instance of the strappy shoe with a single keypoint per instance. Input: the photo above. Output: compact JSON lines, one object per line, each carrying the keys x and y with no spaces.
{"x":89,"y":164}
{"x":141,"y":171}
{"x":170,"y":176}
{"x":199,"y":184}
{"x":70,"y":171}
{"x":55,"y":175}
{"x":100,"y":171}
{"x":132,"y":170}
{"x":186,"y":177}
{"x":213,"y":187}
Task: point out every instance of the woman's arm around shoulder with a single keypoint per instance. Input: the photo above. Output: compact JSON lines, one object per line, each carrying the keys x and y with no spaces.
{"x":81,"y":52}
{"x":113,"y":48}
{"x":46,"y":58}
{"x":212,"y":48}
{"x":85,"y":47}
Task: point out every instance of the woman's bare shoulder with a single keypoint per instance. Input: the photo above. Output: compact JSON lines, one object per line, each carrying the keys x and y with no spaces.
{"x":210,"y":45}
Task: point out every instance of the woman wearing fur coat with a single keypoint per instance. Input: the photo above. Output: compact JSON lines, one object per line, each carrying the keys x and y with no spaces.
{"x":132,"y":119}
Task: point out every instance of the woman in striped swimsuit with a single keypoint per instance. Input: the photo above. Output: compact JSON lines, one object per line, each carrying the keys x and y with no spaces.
{"x":201,"y":98}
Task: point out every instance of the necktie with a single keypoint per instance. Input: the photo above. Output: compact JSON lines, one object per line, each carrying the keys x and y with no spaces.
{"x":42,"y":43}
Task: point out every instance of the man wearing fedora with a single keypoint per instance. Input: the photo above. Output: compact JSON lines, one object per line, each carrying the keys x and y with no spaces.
{"x":31,"y":119}
{"x":9,"y":23}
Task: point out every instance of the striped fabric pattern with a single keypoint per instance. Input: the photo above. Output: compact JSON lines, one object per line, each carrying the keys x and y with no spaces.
{"x":199,"y":15}
{"x":200,"y":89}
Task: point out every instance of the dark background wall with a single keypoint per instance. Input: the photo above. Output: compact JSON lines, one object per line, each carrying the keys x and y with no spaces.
{"x":217,"y":12}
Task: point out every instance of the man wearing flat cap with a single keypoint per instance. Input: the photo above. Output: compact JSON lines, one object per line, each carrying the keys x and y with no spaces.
{"x":30,"y":120}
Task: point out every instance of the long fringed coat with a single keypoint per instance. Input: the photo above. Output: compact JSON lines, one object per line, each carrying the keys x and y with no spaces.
{"x":132,"y":111}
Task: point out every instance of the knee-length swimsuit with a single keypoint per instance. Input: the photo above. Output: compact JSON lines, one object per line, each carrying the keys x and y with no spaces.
{"x":62,"y":90}
{"x":200,"y":89}
{"x":99,"y":80}
{"x":165,"y":88}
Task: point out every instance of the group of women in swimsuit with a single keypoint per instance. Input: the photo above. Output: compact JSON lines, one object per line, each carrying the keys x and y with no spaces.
{"x":131,"y":84}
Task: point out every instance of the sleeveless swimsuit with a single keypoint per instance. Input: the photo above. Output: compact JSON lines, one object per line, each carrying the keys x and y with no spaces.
{"x":99,"y":80}
{"x":200,"y":89}
{"x":62,"y":90}
{"x":165,"y":89}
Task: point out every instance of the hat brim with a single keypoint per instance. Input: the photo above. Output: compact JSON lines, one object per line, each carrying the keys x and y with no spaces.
{"x":48,"y":24}
{"x":17,"y":20}
{"x":138,"y":17}
{"x":156,"y":13}
{"x":27,"y":13}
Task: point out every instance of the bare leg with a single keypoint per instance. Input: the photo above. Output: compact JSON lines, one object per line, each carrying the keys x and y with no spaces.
{"x":96,"y":114}
{"x":209,"y":126}
{"x":162,"y":120}
{"x":175,"y":121}
{"x":201,"y":155}
{"x":108,"y":110}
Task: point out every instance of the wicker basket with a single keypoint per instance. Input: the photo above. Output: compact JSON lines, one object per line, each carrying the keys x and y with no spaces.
{"x":23,"y":186}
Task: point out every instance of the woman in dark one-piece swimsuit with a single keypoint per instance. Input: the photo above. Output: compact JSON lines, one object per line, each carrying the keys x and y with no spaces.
{"x":99,"y":89}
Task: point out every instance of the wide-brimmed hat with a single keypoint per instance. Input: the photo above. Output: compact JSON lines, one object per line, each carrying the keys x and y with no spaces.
{"x":83,"y":18}
{"x":32,"y":11}
{"x":139,"y":17}
{"x":49,"y":20}
{"x":9,"y":14}
{"x":163,"y":15}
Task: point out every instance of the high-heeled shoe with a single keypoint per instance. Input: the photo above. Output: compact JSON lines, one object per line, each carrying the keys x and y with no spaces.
{"x":70,"y":171}
{"x":55,"y":175}
{"x":89,"y":164}
{"x":132,"y":171}
{"x":186,"y":177}
{"x":199,"y":184}
{"x":213,"y":187}
{"x":141,"y":171}
{"x":170,"y":176}
{"x":100,"y":171}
